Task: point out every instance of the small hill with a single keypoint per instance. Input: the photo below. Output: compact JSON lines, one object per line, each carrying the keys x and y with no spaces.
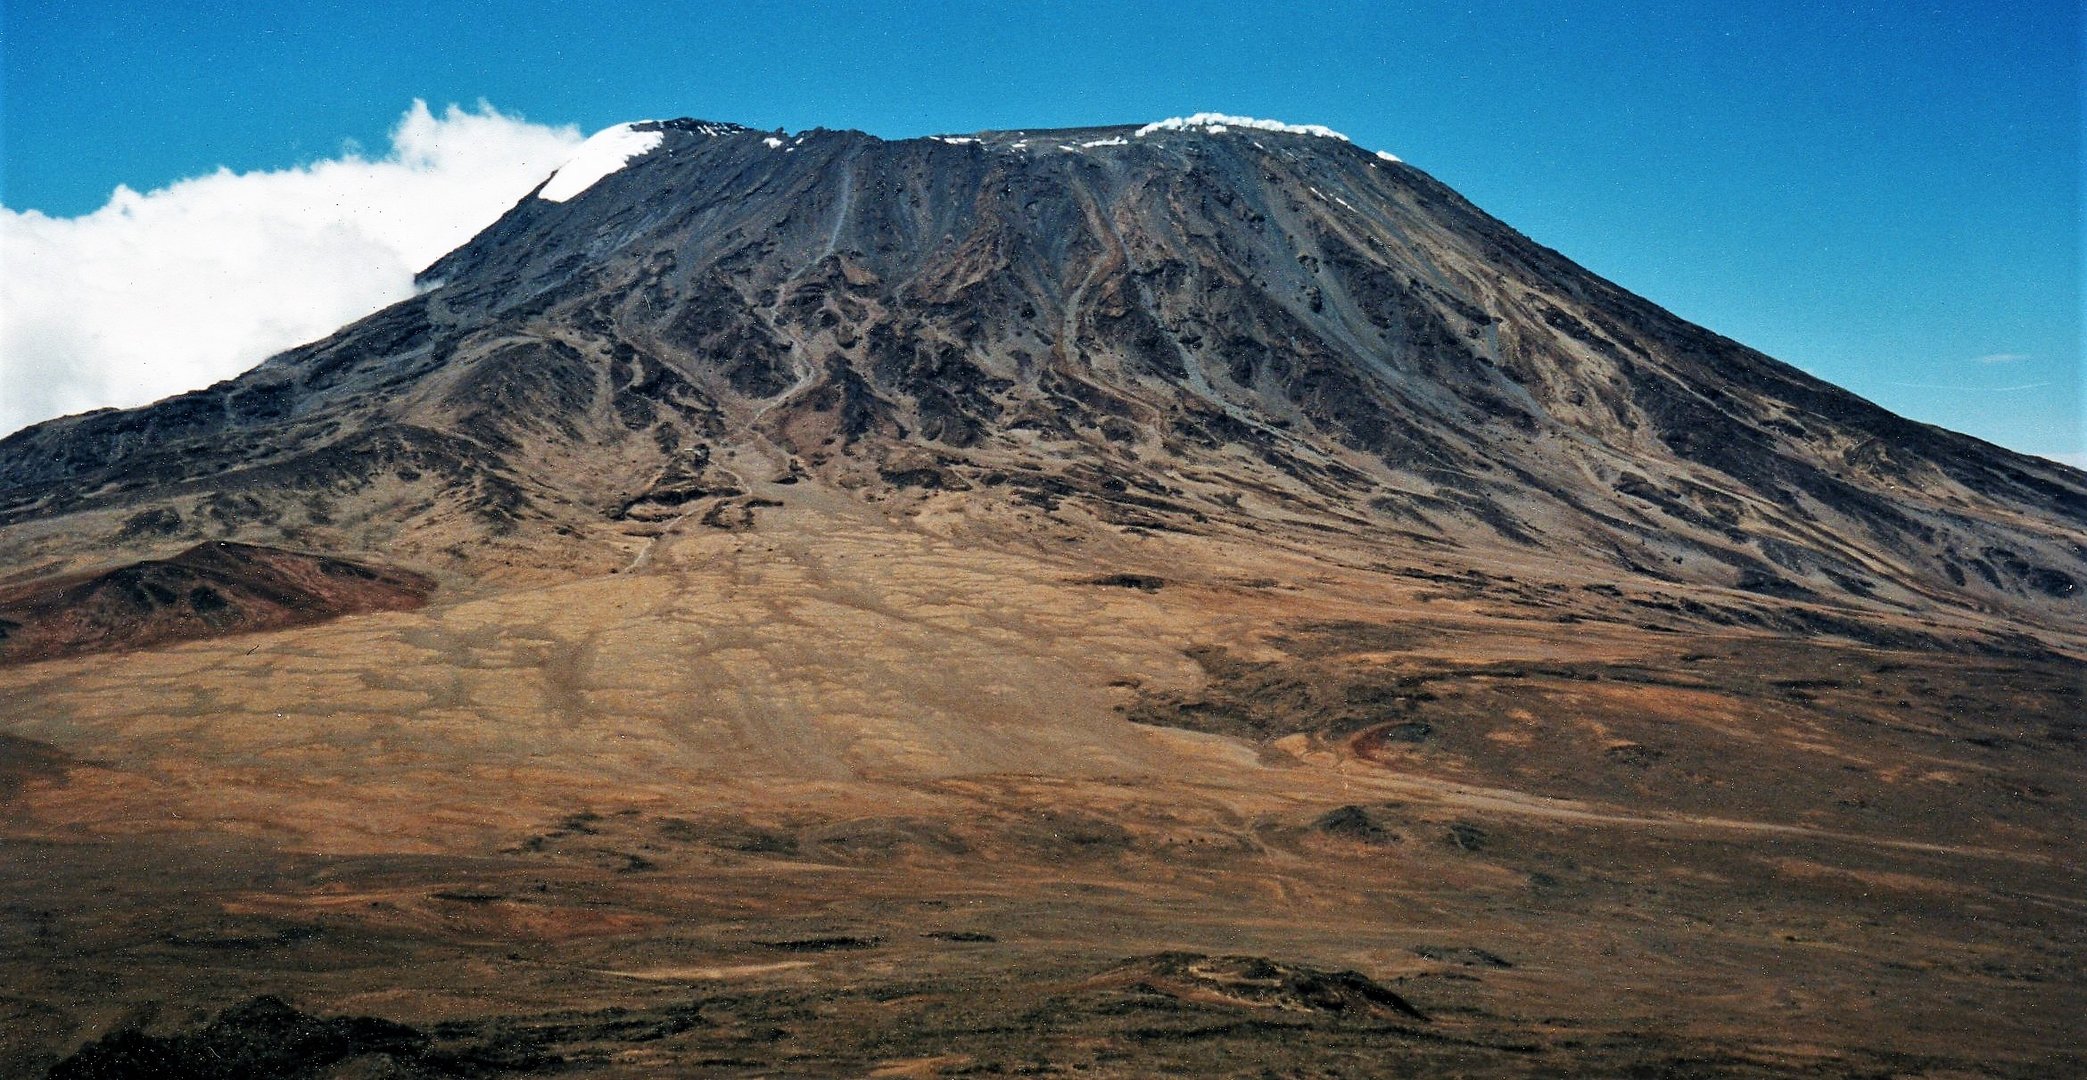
{"x":209,"y":590}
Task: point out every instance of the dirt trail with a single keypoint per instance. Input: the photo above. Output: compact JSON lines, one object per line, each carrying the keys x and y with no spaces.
{"x":1524,"y":804}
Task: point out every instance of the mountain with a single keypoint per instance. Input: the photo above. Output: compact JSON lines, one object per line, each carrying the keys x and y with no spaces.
{"x":1197,"y":327}
{"x":1205,"y":581}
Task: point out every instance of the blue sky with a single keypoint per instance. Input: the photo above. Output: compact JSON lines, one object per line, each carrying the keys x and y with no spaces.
{"x":1886,"y":194}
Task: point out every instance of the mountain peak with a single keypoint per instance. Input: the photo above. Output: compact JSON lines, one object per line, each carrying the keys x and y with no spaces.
{"x":1094,"y":137}
{"x":1019,"y":139}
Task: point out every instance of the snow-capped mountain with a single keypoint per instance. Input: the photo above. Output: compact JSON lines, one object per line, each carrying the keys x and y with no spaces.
{"x":1206,"y":323}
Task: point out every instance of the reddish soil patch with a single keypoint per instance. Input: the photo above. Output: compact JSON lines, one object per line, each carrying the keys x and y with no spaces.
{"x":210,"y":590}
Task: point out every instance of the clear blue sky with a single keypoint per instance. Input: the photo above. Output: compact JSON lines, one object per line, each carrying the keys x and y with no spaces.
{"x":1882,"y":193}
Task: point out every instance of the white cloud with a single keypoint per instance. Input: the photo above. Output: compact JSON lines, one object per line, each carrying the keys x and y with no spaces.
{"x":177,"y":288}
{"x":2000,"y":358}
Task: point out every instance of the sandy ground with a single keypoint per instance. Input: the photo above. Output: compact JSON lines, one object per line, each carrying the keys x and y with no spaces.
{"x":871,"y":788}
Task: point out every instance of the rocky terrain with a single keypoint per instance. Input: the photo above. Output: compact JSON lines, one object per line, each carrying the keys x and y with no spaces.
{"x":1200,"y":599}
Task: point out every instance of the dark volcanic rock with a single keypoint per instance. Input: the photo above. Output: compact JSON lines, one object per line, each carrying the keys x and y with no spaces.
{"x":264,"y":1039}
{"x":1256,"y":981}
{"x":1355,"y":823}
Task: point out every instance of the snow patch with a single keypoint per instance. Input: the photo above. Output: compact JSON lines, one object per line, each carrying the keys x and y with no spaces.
{"x":608,"y":151}
{"x":953,"y":140}
{"x":772,"y":142}
{"x":1116,"y":141}
{"x":1220,"y":123}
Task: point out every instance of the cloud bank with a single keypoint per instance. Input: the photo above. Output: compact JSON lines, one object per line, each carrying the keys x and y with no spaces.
{"x":174,"y":289}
